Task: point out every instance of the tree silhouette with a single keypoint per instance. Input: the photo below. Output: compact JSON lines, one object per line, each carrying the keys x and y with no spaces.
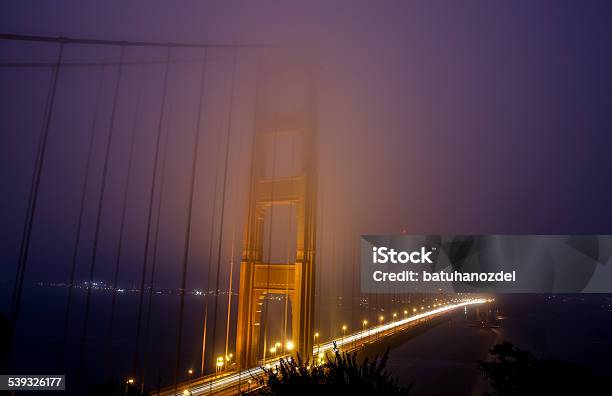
{"x":513,"y":371}
{"x":342,"y":374}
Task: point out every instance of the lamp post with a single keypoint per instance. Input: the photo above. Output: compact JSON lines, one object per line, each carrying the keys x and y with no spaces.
{"x":316,"y":339}
{"x":380,"y":322}
{"x":343,"y":333}
{"x":219,"y":365}
{"x":363,"y":326}
{"x":129,"y":382}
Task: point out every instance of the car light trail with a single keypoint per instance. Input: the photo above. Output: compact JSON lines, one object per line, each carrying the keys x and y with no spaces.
{"x":242,"y":377}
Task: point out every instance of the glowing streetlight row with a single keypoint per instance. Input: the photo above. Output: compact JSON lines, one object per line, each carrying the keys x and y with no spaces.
{"x":381,"y":319}
{"x":289,"y":346}
{"x":382,"y":328}
{"x":235,"y":378}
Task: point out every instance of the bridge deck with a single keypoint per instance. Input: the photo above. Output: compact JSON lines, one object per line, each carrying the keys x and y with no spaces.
{"x":234,"y":382}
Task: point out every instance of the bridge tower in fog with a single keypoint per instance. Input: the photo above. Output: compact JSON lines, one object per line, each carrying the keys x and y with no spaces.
{"x":282,"y":191}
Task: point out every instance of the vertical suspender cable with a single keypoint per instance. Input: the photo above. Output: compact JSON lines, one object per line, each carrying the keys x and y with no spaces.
{"x":354,"y":278}
{"x":264,"y":321}
{"x":230,"y":285}
{"x":33,"y":199}
{"x":155,"y":254}
{"x":333,"y":323}
{"x":229,"y":290}
{"x":289,"y":259}
{"x":320,"y":266}
{"x":109,"y":141}
{"x":187,"y":246}
{"x":231,"y":274}
{"x":77,"y":243}
{"x":223,"y":191}
{"x":210,"y":250}
{"x":126,"y":191}
{"x":249,"y":256}
{"x":150,"y":211}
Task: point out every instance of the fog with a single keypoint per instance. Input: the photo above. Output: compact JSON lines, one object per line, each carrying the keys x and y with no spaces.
{"x":432,"y":117}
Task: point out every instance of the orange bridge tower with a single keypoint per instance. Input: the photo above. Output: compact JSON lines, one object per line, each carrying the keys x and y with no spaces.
{"x":282,"y":191}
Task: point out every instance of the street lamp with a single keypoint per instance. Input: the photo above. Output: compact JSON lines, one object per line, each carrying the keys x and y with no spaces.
{"x":394,"y":319}
{"x":380,"y":322}
{"x":190,"y":372}
{"x":220,"y":363}
{"x":316,"y":338}
{"x":289,"y":346}
{"x":343,"y":333}
{"x":128,"y":383}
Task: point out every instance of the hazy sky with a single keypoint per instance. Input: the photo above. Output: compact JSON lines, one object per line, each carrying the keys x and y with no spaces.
{"x":434,"y":117}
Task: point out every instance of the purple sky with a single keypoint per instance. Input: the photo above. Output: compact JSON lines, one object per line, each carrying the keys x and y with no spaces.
{"x":436,"y":117}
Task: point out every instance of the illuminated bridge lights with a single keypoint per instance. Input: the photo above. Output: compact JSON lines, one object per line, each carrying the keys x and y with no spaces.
{"x":244,"y":377}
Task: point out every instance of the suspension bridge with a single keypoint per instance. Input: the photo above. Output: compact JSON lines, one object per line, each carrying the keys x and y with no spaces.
{"x":161,"y":147}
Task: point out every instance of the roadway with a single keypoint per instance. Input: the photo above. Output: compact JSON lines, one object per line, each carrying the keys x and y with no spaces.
{"x":241,"y":381}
